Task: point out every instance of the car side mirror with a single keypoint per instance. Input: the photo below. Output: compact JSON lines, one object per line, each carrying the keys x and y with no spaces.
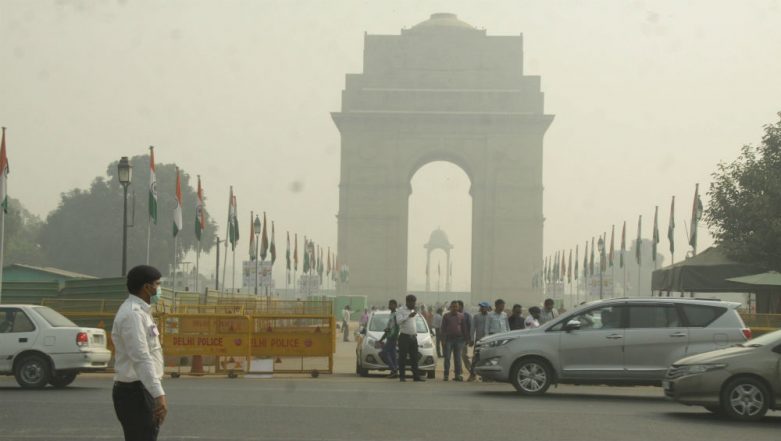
{"x":572,"y":325}
{"x":777,"y":349}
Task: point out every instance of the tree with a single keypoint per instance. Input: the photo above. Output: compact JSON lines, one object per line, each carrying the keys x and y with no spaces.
{"x":84,"y":233}
{"x":744,"y":213}
{"x":22,"y":231}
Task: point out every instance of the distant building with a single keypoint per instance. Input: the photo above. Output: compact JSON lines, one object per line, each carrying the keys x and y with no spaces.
{"x":18,"y":272}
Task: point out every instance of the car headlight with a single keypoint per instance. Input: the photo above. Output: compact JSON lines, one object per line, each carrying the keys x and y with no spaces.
{"x":371,"y":341}
{"x":701,"y":368}
{"x":500,"y":342}
{"x":428,"y":345}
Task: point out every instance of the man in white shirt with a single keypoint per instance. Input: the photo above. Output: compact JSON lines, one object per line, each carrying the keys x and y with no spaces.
{"x":346,"y":322}
{"x":533,"y":320}
{"x":139,"y":399}
{"x":406,"y":316}
{"x":548,"y":312}
{"x":436,"y":323}
{"x":497,"y":319}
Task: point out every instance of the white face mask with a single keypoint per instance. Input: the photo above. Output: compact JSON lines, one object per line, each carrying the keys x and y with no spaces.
{"x":156,"y":297}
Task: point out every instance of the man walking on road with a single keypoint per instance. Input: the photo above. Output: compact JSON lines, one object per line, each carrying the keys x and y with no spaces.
{"x":454,"y":333}
{"x":406,"y":317}
{"x":139,"y":399}
{"x":346,"y":322}
{"x":468,"y":342}
{"x":436,"y":323}
{"x":390,"y":337}
{"x":478,"y":330}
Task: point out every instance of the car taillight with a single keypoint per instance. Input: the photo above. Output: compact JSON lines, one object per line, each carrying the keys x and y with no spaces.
{"x":747,"y":333}
{"x":82,"y":339}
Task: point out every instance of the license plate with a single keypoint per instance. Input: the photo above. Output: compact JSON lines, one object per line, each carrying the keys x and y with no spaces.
{"x":667,"y":385}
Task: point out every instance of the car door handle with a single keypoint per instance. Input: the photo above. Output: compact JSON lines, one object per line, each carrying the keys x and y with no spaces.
{"x":615,"y":336}
{"x":678,"y":334}
{"x":23,"y":340}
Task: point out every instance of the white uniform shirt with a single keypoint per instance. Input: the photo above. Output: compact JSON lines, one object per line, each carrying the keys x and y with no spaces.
{"x":531,"y":322}
{"x":346,"y":315}
{"x":139,"y":356}
{"x":406,"y":323}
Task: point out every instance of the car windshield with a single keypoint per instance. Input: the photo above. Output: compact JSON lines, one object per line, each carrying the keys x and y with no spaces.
{"x":380,"y":321}
{"x":54,"y":318}
{"x":770,"y":339}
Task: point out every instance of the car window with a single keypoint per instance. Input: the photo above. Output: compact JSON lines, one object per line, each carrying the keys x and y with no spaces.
{"x":15,"y":320}
{"x":54,"y":318}
{"x":700,"y":316}
{"x":379,"y":322}
{"x":654,"y":316}
{"x":604,"y":317}
{"x":420,"y":324}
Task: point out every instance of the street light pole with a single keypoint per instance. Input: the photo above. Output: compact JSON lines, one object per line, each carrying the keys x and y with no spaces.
{"x":257,"y":255}
{"x":124,"y":173}
{"x":601,"y":267}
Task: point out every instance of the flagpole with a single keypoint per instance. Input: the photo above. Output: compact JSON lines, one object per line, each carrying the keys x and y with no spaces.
{"x":174,"y":281}
{"x":2,"y":250}
{"x":197,"y":265}
{"x":148,"y":238}
{"x":233,"y":273}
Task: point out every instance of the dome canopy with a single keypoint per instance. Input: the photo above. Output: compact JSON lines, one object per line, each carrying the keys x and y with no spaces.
{"x":438,"y":240}
{"x":442,"y":20}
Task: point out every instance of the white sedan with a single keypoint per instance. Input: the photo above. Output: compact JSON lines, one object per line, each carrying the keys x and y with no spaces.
{"x":367,"y":351}
{"x":40,"y":346}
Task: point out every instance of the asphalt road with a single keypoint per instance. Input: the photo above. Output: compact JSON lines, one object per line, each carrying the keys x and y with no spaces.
{"x":344,"y":407}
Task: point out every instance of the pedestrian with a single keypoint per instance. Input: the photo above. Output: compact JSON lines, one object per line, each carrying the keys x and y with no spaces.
{"x":390,"y":338}
{"x":478,"y":330}
{"x":469,"y":342}
{"x":436,"y":323}
{"x":548,"y":312}
{"x":533,"y":320}
{"x":364,"y":318}
{"x":346,"y":322}
{"x":406,"y":316}
{"x":497,"y":319}
{"x":138,"y":396}
{"x":454,"y":332}
{"x":516,"y":318}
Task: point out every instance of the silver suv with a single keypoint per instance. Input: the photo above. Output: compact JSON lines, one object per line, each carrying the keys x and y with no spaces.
{"x":617,"y":341}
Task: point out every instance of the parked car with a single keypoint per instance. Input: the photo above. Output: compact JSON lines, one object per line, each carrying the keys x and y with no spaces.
{"x":367,"y":352}
{"x":742,"y":382}
{"x":617,"y":341}
{"x":40,"y":346}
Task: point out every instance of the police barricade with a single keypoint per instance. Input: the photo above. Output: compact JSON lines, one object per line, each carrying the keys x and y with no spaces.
{"x":202,"y":344}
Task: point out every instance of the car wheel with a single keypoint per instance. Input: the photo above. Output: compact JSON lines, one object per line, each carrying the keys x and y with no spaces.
{"x":359,"y":370}
{"x":431,"y":374}
{"x":32,"y":372}
{"x":531,"y":376}
{"x":745,"y":399}
{"x":62,"y":379}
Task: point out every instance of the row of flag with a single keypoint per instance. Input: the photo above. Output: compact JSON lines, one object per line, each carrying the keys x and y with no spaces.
{"x":558,"y":267}
{"x":259,"y":247}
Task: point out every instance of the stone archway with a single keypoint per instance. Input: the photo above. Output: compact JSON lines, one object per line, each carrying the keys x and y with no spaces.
{"x":442,"y":91}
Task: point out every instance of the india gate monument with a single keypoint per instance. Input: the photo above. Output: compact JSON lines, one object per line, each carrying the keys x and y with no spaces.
{"x":442,"y":91}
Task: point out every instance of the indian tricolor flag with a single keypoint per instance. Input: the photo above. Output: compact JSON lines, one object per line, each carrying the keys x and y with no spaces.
{"x":178,"y":209}
{"x":152,"y":186}
{"x":3,"y":175}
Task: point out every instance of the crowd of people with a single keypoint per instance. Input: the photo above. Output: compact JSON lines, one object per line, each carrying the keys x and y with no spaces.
{"x":454,"y":329}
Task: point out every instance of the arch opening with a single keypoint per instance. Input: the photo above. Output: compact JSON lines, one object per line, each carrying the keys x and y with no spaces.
{"x":439,"y":226}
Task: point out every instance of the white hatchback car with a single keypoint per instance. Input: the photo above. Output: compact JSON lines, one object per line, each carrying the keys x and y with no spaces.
{"x":40,"y":346}
{"x":368,"y":355}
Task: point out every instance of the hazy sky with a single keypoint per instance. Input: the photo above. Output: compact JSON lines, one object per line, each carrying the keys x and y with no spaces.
{"x":648,"y":97}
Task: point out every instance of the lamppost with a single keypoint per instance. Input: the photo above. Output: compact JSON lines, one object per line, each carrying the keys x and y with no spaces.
{"x":124,"y":173}
{"x":601,"y":245}
{"x":257,"y":256}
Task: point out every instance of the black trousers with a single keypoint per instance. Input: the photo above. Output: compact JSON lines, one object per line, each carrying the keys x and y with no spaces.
{"x":408,"y":348}
{"x":135,"y":411}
